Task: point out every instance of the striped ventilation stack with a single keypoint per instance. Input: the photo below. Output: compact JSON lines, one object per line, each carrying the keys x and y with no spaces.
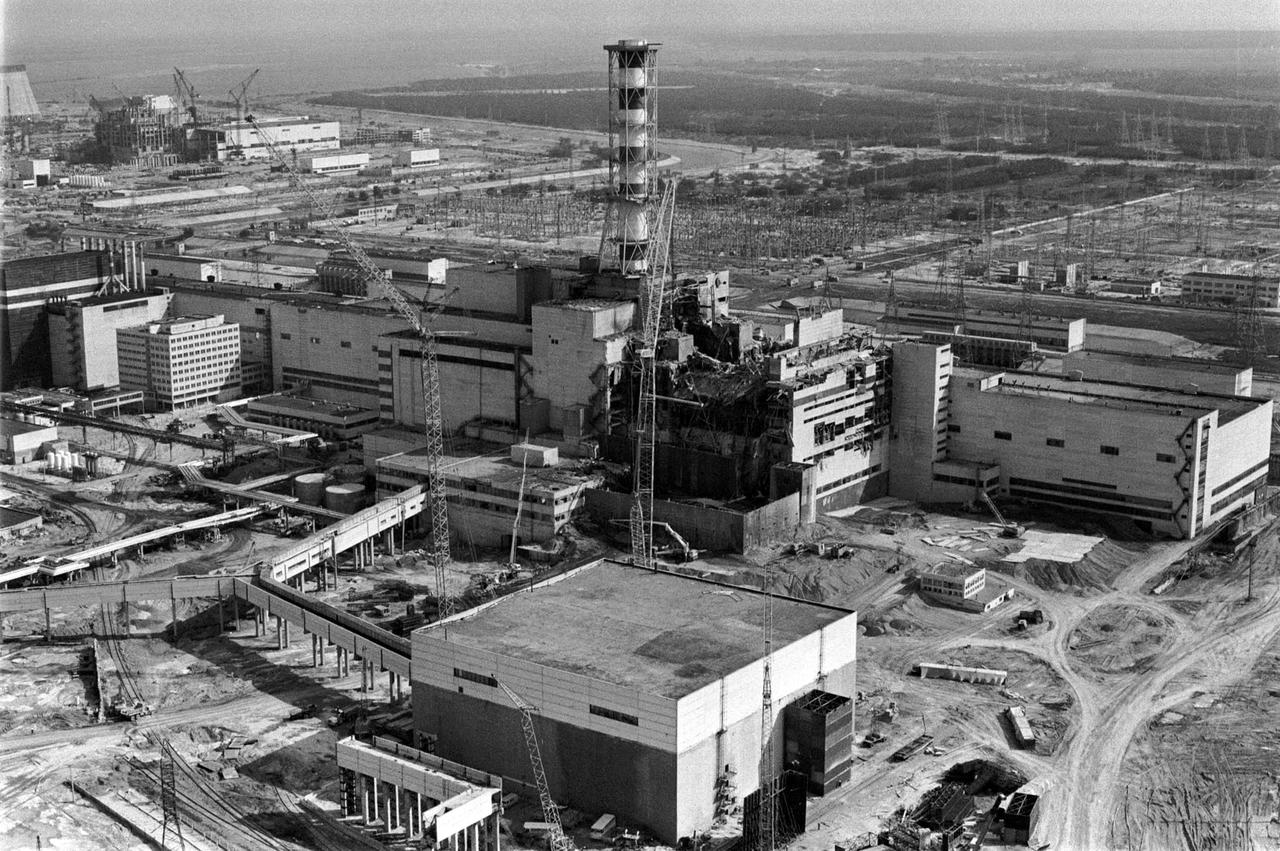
{"x":632,"y":161}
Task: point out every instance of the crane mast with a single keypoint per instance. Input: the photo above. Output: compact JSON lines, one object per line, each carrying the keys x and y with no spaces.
{"x":434,"y":426}
{"x":556,"y":837}
{"x":242,"y":100}
{"x":768,"y":806}
{"x":652,"y":294}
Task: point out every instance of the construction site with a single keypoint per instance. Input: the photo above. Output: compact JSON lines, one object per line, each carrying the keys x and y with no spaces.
{"x":375,"y":479}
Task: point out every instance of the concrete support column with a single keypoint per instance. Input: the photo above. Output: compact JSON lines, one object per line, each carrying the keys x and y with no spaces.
{"x":397,"y":796}
{"x":391,"y":685}
{"x":173,"y":616}
{"x":235,"y":611}
{"x":128,"y":621}
{"x":48,"y":625}
{"x":279,"y":632}
{"x":286,"y":632}
{"x":375,"y":783}
{"x":315,"y":641}
{"x":365,"y":792}
{"x":335,"y":573}
{"x":321,"y":645}
{"x":222,"y":617}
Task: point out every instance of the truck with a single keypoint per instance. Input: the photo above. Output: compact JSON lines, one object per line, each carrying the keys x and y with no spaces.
{"x":910,"y":749}
{"x":1022,"y":732}
{"x":604,"y":827}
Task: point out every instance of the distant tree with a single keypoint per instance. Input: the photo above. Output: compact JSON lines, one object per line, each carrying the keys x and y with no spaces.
{"x":562,"y":149}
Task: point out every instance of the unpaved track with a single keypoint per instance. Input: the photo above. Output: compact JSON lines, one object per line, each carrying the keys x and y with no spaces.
{"x":1209,"y":649}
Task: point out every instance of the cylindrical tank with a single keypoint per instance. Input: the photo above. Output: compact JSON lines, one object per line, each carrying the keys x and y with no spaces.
{"x":345,"y":499}
{"x":309,"y":488}
{"x":77,"y":459}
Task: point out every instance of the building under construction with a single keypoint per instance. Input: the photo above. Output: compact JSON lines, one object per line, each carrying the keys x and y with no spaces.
{"x":648,"y":698}
{"x":143,"y":131}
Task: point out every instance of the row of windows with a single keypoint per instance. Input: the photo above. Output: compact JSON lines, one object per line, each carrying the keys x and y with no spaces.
{"x":1249,"y":473}
{"x":1127,"y":499}
{"x":483,"y":679}
{"x":614,"y":714}
{"x":1059,"y":443}
{"x":1091,"y":505}
{"x":850,"y":479}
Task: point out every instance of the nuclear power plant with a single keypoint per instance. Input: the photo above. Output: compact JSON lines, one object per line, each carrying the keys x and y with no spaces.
{"x":807,"y":444}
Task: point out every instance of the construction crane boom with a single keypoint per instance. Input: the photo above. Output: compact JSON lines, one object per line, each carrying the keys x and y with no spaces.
{"x":240,"y":94}
{"x":652,"y":294}
{"x":434,"y":426}
{"x":556,"y":837}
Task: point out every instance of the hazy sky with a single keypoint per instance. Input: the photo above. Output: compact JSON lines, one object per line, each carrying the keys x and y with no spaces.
{"x":89,"y":46}
{"x":51,"y":21}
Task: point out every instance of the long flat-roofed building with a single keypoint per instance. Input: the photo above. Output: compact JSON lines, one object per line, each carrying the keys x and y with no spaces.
{"x":242,"y":139}
{"x":1050,"y":332}
{"x":647,"y":685}
{"x":1173,"y":461}
{"x":1228,"y":288}
{"x":1189,"y":374}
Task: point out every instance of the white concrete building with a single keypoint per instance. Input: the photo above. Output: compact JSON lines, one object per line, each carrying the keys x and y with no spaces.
{"x":186,"y":266}
{"x":181,"y":362}
{"x":82,"y":336}
{"x":297,"y":133}
{"x":419,"y":794}
{"x":1223,"y":288}
{"x":1172,"y":461}
{"x":577,"y":344}
{"x":1050,"y":332}
{"x":333,"y":163}
{"x":484,"y":491}
{"x":418,"y":158}
{"x":1191,"y":375}
{"x":648,"y":684}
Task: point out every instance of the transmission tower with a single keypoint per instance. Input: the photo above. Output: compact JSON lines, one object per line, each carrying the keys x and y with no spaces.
{"x":1247,"y":319}
{"x":941,"y":129}
{"x":169,"y":802}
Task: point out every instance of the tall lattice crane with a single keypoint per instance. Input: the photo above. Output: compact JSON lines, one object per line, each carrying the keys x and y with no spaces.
{"x":652,"y":295}
{"x":240,"y":94}
{"x":768,"y":804}
{"x":434,"y":426}
{"x":556,"y":838}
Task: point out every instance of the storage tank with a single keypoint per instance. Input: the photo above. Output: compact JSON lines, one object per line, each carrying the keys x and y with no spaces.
{"x":309,"y":488}
{"x":345,"y":499}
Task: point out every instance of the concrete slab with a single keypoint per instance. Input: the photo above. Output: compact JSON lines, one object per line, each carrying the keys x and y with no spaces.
{"x":1053,"y":546}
